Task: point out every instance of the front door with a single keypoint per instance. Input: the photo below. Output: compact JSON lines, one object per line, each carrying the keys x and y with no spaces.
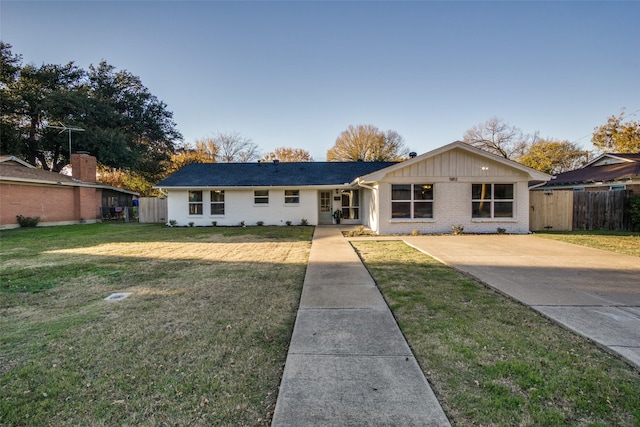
{"x":324,"y":216}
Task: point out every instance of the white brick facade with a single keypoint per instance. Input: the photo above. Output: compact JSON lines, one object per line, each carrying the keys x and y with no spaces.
{"x":451,"y":171}
{"x":240,"y":206}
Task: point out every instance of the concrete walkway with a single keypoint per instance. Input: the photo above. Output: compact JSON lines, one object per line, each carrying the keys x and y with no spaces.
{"x":348,"y":363}
{"x":595,"y":293}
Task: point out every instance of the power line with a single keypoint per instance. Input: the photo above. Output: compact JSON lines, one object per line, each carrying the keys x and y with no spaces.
{"x":583,"y":137}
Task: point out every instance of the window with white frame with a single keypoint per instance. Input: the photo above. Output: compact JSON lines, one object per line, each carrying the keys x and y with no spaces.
{"x":412,"y":201}
{"x":261,"y":197}
{"x":350,"y":204}
{"x":291,"y":196}
{"x":195,"y":202}
{"x":217,"y":202}
{"x":492,"y":200}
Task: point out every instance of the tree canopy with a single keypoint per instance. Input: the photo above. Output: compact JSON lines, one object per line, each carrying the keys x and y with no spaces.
{"x":554,"y":157}
{"x":287,"y":154}
{"x":369,"y":144}
{"x":233,"y":147}
{"x":498,"y":137}
{"x":125,"y":126}
{"x":617,"y":135}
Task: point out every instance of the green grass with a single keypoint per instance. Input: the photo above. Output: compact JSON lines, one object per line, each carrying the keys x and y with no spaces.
{"x":624,"y":242}
{"x":202,"y":340}
{"x":492,"y":361}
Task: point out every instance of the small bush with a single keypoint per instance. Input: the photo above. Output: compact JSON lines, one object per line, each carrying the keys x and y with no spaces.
{"x":634,"y":211}
{"x":304,"y":222}
{"x":214,"y":223}
{"x":415,"y":232}
{"x":501,"y":230}
{"x":457,"y":229}
{"x":191,"y":224}
{"x":260,"y":223}
{"x":28,"y":221}
{"x":288,"y":222}
{"x":360,"y":231}
{"x":172,"y":223}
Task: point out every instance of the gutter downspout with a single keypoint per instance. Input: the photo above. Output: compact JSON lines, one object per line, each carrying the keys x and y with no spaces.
{"x":363,"y":185}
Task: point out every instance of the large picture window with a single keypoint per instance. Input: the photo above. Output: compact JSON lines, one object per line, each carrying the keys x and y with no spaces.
{"x":292,"y":196}
{"x":217,"y":202}
{"x":492,"y":200}
{"x":195,"y":202}
{"x":261,"y":197}
{"x":412,"y":201}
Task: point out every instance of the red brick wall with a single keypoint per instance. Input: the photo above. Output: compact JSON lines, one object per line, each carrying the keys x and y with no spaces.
{"x":83,"y":167}
{"x":52,"y":203}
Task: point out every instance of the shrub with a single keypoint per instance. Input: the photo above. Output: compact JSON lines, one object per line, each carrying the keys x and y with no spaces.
{"x":457,"y":229}
{"x":214,"y":223}
{"x":191,"y":224}
{"x":415,"y":232}
{"x":260,"y":223}
{"x":501,"y":230}
{"x":288,"y":222}
{"x":634,"y":211}
{"x":172,"y":223}
{"x":304,"y":222}
{"x":28,"y":221}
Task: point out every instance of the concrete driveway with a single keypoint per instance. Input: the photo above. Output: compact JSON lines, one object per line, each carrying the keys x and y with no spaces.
{"x":596,"y":293}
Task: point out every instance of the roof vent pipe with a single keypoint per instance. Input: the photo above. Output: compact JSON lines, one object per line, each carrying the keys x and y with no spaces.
{"x":413,"y":154}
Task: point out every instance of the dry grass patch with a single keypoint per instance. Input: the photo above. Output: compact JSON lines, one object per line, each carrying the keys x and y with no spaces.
{"x":623,"y":242}
{"x":201,"y":340}
{"x":492,"y":361}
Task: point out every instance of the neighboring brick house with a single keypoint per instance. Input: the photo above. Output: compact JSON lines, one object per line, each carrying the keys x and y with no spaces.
{"x":456,"y":184}
{"x":56,"y":198}
{"x":609,"y":171}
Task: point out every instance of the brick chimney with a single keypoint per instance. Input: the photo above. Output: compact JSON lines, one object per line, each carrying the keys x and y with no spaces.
{"x":83,"y":167}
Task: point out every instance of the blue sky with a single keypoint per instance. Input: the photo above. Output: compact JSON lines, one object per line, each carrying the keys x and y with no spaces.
{"x":296,"y":74}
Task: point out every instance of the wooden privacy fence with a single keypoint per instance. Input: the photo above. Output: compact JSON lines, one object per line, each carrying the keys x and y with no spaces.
{"x":566,"y":210}
{"x":152,"y":209}
{"x":601,"y":210}
{"x":551,"y":210}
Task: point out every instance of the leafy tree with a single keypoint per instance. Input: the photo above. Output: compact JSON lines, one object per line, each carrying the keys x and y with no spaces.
{"x":9,"y":125}
{"x":369,"y":144}
{"x":285,"y":154}
{"x":498,"y":137}
{"x":127,"y":179}
{"x":554,"y":157}
{"x":232,"y":147}
{"x":33,"y":98}
{"x":206,"y":150}
{"x":617,"y":136}
{"x":126,"y":127}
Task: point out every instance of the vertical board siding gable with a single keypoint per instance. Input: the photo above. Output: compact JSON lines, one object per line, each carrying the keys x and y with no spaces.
{"x":456,"y":163}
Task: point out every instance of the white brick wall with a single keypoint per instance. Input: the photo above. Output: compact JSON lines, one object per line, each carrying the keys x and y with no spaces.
{"x":239,"y":206}
{"x":452,"y":206}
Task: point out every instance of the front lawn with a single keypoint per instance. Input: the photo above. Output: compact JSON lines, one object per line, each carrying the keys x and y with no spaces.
{"x":492,"y":361}
{"x":624,"y":242}
{"x":202,"y":340}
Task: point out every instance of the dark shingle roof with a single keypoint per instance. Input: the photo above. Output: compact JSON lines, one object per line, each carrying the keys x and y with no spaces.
{"x":606,"y":173}
{"x":270,"y":174}
{"x":15,"y":170}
